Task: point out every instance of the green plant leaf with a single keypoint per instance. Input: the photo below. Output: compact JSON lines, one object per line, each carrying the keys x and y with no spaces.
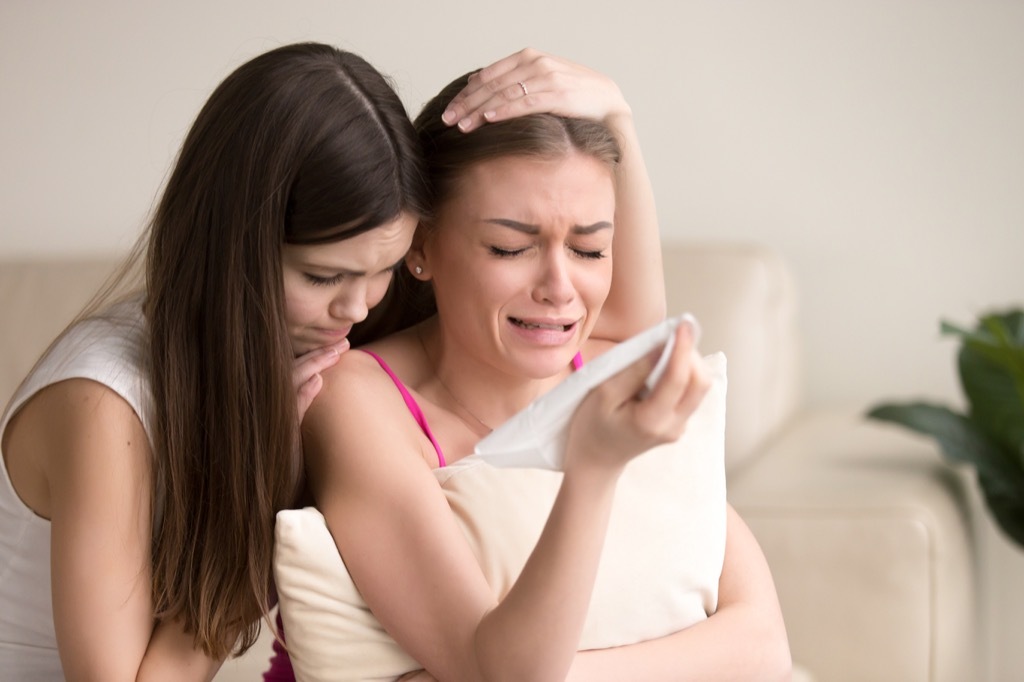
{"x":991,"y":436}
{"x":991,"y":365}
{"x":958,"y":438}
{"x":1000,"y":475}
{"x":1005,"y":504}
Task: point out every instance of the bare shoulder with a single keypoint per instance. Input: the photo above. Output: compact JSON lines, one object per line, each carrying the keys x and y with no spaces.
{"x":359,"y":423}
{"x":71,"y":412}
{"x":67,"y":430}
{"x":360,"y":373}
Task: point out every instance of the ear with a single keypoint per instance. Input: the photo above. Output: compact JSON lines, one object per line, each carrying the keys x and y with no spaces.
{"x":416,"y":259}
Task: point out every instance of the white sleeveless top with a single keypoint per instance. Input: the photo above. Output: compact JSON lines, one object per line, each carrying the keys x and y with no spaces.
{"x":109,"y":350}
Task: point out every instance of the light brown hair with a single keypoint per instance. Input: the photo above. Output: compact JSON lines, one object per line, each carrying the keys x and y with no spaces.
{"x":450,"y":153}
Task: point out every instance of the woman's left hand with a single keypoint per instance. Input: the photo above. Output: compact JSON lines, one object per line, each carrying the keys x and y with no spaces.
{"x":532,"y":82}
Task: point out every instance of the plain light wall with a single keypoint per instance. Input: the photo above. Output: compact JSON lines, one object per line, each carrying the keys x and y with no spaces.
{"x":879,"y":146}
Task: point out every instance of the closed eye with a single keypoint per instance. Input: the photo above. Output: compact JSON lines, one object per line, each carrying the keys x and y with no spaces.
{"x":590,"y":255}
{"x":505,"y":253}
{"x":324,"y":281}
{"x":333,"y":280}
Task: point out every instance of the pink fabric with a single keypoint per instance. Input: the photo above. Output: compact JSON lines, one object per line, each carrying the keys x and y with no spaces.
{"x":411,"y":403}
{"x":280,"y":665}
{"x":414,"y":408}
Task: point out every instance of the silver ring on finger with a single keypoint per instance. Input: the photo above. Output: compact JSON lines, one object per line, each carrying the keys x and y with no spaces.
{"x":522,"y":85}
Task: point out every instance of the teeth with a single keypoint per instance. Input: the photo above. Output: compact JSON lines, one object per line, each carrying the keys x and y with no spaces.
{"x":554,"y":327}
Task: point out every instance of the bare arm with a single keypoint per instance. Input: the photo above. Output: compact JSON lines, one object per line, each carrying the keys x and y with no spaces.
{"x":745,"y":639}
{"x":407,"y":555}
{"x":94,"y":456}
{"x":637,"y":298}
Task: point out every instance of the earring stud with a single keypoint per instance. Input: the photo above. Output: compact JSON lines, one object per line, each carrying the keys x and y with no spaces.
{"x":419,"y":270}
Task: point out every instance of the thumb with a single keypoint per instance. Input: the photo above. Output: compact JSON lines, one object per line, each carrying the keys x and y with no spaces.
{"x":628,"y":382}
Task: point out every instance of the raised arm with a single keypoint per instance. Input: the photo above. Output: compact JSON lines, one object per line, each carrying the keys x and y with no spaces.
{"x":530,"y":82}
{"x":745,"y":639}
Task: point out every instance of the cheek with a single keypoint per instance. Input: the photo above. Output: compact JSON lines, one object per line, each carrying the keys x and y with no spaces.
{"x":376,"y":290}
{"x":596,"y":283}
{"x":298,"y":306}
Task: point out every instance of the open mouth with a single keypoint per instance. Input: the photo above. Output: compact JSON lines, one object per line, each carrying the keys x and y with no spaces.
{"x":542,"y":325}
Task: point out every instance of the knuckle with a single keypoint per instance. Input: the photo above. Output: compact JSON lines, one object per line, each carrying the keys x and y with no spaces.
{"x":545,"y":62}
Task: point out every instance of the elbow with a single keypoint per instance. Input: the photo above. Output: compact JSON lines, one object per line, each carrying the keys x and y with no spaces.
{"x":766,"y":645}
{"x":780,"y":667}
{"x":776,"y":659}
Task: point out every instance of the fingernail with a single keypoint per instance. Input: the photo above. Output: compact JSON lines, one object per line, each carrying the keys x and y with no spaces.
{"x":488,"y":115}
{"x":448,"y":116}
{"x":464,"y":124}
{"x":694,"y":326}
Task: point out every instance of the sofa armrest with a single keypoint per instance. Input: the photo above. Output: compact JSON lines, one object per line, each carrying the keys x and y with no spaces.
{"x":745,"y":299}
{"x":869,"y":538}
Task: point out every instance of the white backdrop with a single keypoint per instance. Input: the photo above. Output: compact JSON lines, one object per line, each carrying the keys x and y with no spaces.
{"x":878,"y":145}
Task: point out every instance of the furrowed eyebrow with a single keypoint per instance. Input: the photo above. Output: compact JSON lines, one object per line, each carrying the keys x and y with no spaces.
{"x":527,"y":228}
{"x":591,"y":229}
{"x":356,"y":273}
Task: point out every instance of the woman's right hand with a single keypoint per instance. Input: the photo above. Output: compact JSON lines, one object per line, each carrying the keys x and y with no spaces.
{"x":306,"y":373}
{"x":614,"y":424}
{"x":307,"y":381}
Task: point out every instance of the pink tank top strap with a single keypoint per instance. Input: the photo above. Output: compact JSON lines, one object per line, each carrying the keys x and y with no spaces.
{"x":410,"y":403}
{"x":577,"y":361}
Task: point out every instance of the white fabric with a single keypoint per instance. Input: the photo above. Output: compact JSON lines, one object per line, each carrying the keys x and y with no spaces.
{"x":111,"y":352}
{"x":535,"y":437}
{"x":659,"y":571}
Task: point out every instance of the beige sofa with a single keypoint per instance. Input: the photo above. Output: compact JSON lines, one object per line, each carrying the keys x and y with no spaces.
{"x":866,"y":531}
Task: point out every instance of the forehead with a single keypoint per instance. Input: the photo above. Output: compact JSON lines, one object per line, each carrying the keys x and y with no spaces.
{"x":571,"y":175}
{"x":561,"y":192}
{"x":384,"y":244}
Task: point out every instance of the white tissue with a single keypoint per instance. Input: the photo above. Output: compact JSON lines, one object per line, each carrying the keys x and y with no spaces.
{"x":536,"y":436}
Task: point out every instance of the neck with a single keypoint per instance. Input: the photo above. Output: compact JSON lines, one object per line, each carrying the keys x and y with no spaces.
{"x":476,"y":391}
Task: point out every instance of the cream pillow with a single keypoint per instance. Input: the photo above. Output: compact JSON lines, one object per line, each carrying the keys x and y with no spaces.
{"x":659,"y":570}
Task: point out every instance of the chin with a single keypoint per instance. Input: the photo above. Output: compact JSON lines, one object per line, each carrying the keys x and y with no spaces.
{"x":547,"y":364}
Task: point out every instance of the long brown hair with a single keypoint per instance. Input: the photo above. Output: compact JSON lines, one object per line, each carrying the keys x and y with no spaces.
{"x":303,"y":144}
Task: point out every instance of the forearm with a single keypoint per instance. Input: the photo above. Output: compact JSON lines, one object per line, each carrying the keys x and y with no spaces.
{"x":744,"y":639}
{"x":171,"y":655}
{"x":534,"y":632}
{"x":736,"y":643}
{"x":637,"y":297}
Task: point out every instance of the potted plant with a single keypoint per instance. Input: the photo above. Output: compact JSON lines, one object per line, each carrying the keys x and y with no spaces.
{"x":990,"y":435}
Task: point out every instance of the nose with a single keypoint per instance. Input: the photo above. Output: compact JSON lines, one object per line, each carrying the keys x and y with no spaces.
{"x":351,"y":304}
{"x":555,"y":283}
